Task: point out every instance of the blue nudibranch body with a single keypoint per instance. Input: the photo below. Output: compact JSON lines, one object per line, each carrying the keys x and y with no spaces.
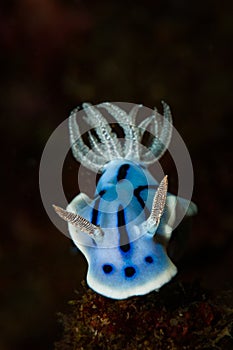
{"x":117,"y":231}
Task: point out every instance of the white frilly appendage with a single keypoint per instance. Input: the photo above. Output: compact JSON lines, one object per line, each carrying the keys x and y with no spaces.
{"x":158,"y":205}
{"x":81,"y":223}
{"x":107,"y":147}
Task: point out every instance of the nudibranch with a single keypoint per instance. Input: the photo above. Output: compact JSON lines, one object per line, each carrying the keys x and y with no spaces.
{"x":124,"y":230}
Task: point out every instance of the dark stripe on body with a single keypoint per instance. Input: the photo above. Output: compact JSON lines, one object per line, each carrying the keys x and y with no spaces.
{"x":95,"y":212}
{"x":102,"y":193}
{"x":137,"y":192}
{"x":124,"y":238}
{"x":122,"y":172}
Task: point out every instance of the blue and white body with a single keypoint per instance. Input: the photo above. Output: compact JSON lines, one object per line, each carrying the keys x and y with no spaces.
{"x":124,"y":230}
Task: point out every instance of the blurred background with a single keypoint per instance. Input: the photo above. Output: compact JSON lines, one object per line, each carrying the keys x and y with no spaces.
{"x":56,"y":54}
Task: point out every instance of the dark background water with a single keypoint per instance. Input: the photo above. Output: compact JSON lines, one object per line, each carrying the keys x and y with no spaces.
{"x":57,"y":54}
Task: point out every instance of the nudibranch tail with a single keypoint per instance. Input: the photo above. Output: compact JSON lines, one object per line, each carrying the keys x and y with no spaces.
{"x":108,"y":147}
{"x":81,"y":223}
